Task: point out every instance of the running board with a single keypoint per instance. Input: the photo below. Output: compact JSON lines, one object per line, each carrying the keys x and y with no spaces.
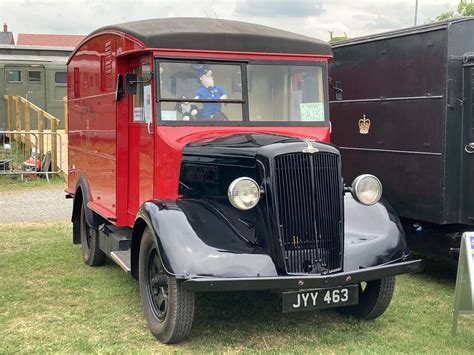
{"x":113,"y":238}
{"x":122,"y":258}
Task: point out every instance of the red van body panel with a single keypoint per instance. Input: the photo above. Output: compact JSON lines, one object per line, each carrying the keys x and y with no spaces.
{"x":93,"y":112}
{"x":99,"y":125}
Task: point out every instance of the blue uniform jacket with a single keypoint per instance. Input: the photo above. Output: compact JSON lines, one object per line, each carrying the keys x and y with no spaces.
{"x":212,"y":93}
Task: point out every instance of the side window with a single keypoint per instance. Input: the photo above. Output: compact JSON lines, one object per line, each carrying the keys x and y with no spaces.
{"x":142,"y":111}
{"x":34,"y":76}
{"x":60,"y":77}
{"x":13,"y":76}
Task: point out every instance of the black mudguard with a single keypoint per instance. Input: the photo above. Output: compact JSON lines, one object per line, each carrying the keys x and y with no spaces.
{"x":82,"y":195}
{"x":373,"y":235}
{"x":193,"y":241}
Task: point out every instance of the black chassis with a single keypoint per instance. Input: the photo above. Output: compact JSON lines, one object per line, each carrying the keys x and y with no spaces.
{"x":211,"y":246}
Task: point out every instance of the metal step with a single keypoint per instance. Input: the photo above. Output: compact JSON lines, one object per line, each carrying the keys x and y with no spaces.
{"x":122,"y":258}
{"x":113,"y":238}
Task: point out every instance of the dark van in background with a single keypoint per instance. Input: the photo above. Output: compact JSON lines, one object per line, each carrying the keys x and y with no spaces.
{"x":402,"y":109}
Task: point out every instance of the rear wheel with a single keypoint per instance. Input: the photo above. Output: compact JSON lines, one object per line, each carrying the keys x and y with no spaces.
{"x":91,"y":253}
{"x":169,"y":310}
{"x":374,"y":299}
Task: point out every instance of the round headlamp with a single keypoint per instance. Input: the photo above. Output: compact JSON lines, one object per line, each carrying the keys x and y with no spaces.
{"x":244,"y":193}
{"x":367,"y":189}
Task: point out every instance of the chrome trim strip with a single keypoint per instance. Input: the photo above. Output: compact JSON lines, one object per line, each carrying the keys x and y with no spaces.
{"x":391,"y":151}
{"x":408,"y":98}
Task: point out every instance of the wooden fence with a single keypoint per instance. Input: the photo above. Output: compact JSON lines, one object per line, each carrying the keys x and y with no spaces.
{"x":19,"y":111}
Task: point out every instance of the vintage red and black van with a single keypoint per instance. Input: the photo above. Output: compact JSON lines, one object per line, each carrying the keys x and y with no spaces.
{"x":199,"y":160}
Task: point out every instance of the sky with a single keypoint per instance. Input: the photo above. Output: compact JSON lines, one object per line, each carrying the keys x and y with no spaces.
{"x":314,"y":18}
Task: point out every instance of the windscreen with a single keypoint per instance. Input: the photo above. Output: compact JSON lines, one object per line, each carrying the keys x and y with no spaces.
{"x":286,"y":93}
{"x":254,"y":92}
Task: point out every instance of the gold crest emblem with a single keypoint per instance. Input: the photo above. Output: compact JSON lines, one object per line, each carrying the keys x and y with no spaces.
{"x":310,"y":149}
{"x":364,"y":125}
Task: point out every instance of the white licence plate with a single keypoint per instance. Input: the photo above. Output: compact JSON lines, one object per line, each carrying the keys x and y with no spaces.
{"x":306,"y":300}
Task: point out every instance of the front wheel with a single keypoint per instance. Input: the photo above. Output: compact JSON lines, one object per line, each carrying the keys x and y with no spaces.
{"x":374,"y":299}
{"x":168,"y":308}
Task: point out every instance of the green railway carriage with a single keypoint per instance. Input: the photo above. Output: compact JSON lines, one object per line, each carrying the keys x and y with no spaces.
{"x":36,"y":73}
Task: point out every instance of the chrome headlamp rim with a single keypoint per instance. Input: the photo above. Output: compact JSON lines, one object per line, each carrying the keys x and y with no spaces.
{"x":355,"y":186}
{"x":231,"y":188}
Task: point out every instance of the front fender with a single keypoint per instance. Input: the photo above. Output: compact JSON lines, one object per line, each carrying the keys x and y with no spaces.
{"x":194,"y":241}
{"x":373,"y":235}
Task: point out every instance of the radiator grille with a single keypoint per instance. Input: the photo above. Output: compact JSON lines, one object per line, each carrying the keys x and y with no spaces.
{"x":308,"y":203}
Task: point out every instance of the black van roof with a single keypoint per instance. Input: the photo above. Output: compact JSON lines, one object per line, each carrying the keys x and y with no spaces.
{"x":217,"y":34}
{"x":434,"y":26}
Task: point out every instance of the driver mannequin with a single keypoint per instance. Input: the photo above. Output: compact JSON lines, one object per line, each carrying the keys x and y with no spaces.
{"x":209,"y":91}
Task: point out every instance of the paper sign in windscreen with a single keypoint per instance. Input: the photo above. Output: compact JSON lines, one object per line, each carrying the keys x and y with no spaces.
{"x":137,"y":114}
{"x":312,"y":111}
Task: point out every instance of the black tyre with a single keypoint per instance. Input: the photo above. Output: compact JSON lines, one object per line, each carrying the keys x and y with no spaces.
{"x":374,"y":299}
{"x":91,"y":253}
{"x":169,"y":310}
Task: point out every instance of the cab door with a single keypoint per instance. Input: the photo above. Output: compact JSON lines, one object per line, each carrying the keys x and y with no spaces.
{"x":468,"y":146}
{"x":141,"y":138}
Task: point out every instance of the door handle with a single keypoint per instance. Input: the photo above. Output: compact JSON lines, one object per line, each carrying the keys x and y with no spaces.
{"x":151,"y":132}
{"x":469,"y":148}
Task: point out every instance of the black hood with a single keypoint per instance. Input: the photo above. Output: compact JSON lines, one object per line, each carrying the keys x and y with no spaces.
{"x":242,"y":149}
{"x":209,"y":166}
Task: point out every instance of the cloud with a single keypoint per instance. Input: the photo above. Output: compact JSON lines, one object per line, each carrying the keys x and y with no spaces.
{"x":83,"y":17}
{"x":279,"y":8}
{"x":308,"y":17}
{"x":384,"y":22}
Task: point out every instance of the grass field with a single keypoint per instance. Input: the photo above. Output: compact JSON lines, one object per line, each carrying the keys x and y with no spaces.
{"x":14,"y":182}
{"x":50,"y":301}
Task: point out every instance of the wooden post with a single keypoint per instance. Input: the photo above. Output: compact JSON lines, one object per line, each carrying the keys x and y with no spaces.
{"x":18,"y":118}
{"x":54,"y":145}
{"x":66,"y":120}
{"x":27,"y":127}
{"x":40,"y":136}
{"x":10,"y":115}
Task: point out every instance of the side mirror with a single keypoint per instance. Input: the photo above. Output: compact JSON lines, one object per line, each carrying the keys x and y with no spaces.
{"x":131,"y":80}
{"x":119,"y":88}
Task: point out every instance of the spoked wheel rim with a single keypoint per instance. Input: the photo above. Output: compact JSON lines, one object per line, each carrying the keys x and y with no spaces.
{"x":157,"y":286}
